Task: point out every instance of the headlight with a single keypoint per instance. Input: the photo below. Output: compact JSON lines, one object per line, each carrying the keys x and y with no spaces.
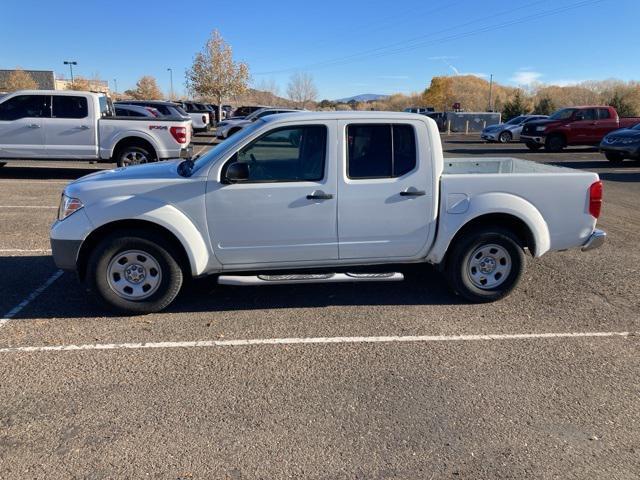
{"x":541,"y":128}
{"x":68,"y":205}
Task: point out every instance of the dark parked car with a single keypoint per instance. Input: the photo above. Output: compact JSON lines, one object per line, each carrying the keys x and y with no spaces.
{"x":242,"y":112}
{"x":136,"y":111}
{"x":621,"y":144}
{"x":166,"y":109}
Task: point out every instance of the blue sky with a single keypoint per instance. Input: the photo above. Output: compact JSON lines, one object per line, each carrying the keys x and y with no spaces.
{"x":349,"y":46}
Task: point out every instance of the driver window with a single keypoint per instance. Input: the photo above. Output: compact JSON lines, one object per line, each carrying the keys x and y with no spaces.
{"x":289,"y":154}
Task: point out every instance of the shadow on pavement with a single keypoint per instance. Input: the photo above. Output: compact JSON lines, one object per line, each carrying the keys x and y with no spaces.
{"x":67,"y":298}
{"x":44,"y":173}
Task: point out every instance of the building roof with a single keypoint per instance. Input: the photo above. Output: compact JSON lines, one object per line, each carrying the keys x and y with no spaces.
{"x":44,"y":78}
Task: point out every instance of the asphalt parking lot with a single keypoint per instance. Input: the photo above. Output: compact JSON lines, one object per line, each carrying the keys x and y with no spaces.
{"x":399,"y":380}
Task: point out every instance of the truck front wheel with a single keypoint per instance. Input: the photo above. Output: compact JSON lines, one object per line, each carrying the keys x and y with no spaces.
{"x":554,"y":143}
{"x":134,"y":273}
{"x":485,"y":264}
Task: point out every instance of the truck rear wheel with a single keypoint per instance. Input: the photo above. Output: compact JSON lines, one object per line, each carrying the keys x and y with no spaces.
{"x":134,"y":155}
{"x":614,"y":157}
{"x":554,"y":143}
{"x":485,"y":264}
{"x":134,"y":273}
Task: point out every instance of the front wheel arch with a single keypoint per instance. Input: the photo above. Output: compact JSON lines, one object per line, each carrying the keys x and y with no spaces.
{"x":126,"y":226}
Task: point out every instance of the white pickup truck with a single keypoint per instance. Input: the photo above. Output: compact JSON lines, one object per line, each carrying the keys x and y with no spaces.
{"x":320,"y":197}
{"x":51,"y":124}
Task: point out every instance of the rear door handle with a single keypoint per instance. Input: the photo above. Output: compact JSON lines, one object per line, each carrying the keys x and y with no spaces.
{"x":411,"y":192}
{"x":34,"y":125}
{"x":319,"y":195}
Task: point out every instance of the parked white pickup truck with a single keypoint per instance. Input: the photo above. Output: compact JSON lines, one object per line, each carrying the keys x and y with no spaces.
{"x":314,"y":197}
{"x":80,"y":125}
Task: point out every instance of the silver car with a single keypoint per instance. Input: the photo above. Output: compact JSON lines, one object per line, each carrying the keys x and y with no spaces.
{"x":509,"y":131}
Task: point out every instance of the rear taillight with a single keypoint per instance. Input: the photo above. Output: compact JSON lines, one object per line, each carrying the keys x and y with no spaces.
{"x":151,"y":110}
{"x":595,"y":198}
{"x":179,"y":133}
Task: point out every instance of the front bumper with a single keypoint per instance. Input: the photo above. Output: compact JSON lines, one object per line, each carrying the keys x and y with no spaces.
{"x":595,"y":240}
{"x":629,"y":150}
{"x":488,"y":136}
{"x":65,"y":253}
{"x":537,"y":139}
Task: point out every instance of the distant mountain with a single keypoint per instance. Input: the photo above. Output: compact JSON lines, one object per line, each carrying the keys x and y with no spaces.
{"x":365,"y":97}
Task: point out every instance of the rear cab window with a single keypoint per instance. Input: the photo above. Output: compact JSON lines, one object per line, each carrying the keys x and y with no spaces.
{"x":380,"y":150}
{"x":67,"y":106}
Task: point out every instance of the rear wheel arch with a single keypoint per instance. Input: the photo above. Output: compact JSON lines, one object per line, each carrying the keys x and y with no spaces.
{"x":128,"y":228}
{"x":504,"y":221}
{"x":133,"y":142}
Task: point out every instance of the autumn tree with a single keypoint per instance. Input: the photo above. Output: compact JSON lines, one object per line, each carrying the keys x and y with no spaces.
{"x":544,"y":106}
{"x":214,"y":75}
{"x":439,"y":94}
{"x":20,"y":80}
{"x":146,"y":89}
{"x":80,"y":84}
{"x":301,"y":89}
{"x":514,"y":107}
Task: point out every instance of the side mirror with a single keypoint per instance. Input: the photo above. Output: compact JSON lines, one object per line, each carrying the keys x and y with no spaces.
{"x":237,"y":172}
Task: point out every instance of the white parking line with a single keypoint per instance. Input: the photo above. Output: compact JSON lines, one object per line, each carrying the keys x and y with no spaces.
{"x":310,"y":341}
{"x":32,"y":296}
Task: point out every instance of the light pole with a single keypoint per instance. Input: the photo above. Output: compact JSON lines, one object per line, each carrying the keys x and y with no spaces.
{"x":170,"y":70}
{"x":491,"y":93}
{"x":115,"y":85}
{"x":71,"y":64}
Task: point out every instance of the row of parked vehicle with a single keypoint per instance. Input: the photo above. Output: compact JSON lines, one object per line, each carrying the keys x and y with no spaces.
{"x":617,"y":137}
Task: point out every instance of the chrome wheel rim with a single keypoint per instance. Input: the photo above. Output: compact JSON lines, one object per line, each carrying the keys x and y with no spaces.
{"x":134,"y":275}
{"x":504,"y":137}
{"x":489,"y":266}
{"x":134,"y":158}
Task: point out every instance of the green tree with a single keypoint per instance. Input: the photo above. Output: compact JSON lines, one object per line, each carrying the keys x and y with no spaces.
{"x":514,"y":107}
{"x":544,"y":106}
{"x":624,"y":108}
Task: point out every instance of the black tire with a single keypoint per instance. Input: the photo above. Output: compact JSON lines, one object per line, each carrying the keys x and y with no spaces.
{"x":533,"y":146}
{"x":505,"y":137}
{"x":554,"y":143}
{"x":614,"y":157}
{"x":458,"y":267}
{"x":128,"y":155}
{"x":157,"y":248}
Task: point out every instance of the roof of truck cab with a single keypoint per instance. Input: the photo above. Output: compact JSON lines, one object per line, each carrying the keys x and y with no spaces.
{"x":347,"y":115}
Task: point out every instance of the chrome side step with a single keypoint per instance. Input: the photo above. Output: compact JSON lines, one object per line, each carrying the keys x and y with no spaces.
{"x":246,"y":280}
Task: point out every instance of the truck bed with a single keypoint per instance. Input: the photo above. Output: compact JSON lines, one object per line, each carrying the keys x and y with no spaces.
{"x":460,"y":166}
{"x":558,"y":194}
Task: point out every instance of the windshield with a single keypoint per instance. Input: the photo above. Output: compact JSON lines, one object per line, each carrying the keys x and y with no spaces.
{"x":224,"y":145}
{"x":636,"y":127}
{"x":515,"y":121}
{"x":253,"y":115}
{"x":563,"y":114}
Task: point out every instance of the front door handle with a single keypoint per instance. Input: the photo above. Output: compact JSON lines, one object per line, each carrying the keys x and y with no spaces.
{"x":412,"y":192}
{"x":83,"y":127}
{"x":34,"y":125}
{"x":319,"y":195}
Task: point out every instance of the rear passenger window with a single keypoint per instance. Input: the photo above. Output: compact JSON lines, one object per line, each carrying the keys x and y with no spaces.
{"x":603,"y":113}
{"x":69,"y":107}
{"x":380,"y":150}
